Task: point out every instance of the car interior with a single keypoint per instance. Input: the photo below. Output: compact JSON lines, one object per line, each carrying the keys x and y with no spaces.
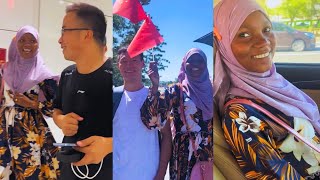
{"x":305,"y":76}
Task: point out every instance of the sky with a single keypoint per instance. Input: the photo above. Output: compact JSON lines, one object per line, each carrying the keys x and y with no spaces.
{"x":181,"y":22}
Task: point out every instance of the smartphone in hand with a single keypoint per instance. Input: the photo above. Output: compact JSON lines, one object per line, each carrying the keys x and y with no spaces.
{"x":65,"y":144}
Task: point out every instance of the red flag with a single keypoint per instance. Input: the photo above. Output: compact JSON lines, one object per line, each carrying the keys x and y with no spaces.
{"x":3,"y":54}
{"x":147,"y":37}
{"x":3,"y":57}
{"x":131,"y":9}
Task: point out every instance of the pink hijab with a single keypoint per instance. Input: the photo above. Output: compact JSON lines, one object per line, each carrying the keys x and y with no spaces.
{"x":198,"y":89}
{"x":231,"y":79}
{"x":22,"y":74}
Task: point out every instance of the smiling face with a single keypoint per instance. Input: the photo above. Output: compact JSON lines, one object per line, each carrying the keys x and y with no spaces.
{"x":27,"y":46}
{"x":195,"y":66}
{"x":70,"y":41}
{"x":254,"y":43}
{"x":130,"y":68}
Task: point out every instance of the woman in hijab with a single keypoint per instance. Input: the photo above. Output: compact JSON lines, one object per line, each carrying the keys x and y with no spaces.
{"x":197,"y":100}
{"x":26,"y":142}
{"x":244,"y":70}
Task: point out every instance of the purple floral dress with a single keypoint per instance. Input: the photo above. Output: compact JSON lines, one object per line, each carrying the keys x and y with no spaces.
{"x":183,"y":158}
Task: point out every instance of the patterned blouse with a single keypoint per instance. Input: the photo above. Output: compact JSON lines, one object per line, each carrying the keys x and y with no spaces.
{"x":264,"y":149}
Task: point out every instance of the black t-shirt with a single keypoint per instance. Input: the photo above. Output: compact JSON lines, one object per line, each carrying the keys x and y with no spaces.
{"x":90,"y":96}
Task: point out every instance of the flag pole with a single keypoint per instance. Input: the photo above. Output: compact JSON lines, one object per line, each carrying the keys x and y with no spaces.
{"x":153,"y":54}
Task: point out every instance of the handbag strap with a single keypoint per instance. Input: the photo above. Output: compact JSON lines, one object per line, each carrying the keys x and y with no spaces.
{"x":276,"y":119}
{"x":116,"y":98}
{"x":183,"y":119}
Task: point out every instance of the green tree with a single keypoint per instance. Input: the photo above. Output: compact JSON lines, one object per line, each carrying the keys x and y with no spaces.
{"x":314,"y":8}
{"x":291,"y":9}
{"x":123,"y":33}
{"x":302,"y":9}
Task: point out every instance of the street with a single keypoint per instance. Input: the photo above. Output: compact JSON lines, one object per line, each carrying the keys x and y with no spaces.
{"x":298,"y":57}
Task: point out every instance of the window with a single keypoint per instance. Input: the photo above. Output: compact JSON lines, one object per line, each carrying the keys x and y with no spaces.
{"x":296,"y":25}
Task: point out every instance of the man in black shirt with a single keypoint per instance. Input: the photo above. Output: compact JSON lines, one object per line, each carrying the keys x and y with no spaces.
{"x":83,"y":106}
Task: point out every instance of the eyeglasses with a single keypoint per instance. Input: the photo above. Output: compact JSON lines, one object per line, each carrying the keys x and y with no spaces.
{"x":73,"y":29}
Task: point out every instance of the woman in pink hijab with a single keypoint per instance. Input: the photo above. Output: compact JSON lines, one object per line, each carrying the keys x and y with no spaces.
{"x":245,"y":46}
{"x":26,"y":142}
{"x":195,"y":92}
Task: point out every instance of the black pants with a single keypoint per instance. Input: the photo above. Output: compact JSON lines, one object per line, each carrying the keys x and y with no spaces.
{"x":104,"y":174}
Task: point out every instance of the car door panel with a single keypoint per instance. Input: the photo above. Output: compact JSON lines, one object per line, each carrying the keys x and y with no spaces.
{"x":304,"y":76}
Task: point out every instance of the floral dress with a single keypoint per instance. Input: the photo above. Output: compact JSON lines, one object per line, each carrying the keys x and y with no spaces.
{"x":264,"y":149}
{"x":154,"y":111}
{"x":183,"y":158}
{"x":26,"y":149}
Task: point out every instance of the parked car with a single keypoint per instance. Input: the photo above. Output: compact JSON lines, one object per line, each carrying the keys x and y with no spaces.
{"x":292,"y":39}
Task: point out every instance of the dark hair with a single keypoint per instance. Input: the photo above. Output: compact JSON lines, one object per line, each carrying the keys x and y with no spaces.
{"x":92,"y":17}
{"x":124,"y":50}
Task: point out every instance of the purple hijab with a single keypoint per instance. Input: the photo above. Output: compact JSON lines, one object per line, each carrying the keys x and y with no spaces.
{"x":231,"y":79}
{"x":22,"y":74}
{"x":198,"y":89}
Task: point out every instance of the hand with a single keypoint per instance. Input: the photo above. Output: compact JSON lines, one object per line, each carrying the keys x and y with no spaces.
{"x":24,"y":101}
{"x":154,"y":75}
{"x":95,"y":149}
{"x":69,"y":123}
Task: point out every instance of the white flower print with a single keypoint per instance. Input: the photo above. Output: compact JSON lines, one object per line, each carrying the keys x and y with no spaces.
{"x":9,"y":114}
{"x":189,"y":110}
{"x":205,"y":141}
{"x":35,"y":154}
{"x":299,"y":148}
{"x":248,"y":124}
{"x":35,"y":148}
{"x":19,"y":115}
{"x":197,"y":141}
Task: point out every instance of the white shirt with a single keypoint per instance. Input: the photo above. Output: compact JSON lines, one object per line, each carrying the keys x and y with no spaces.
{"x":136,"y":150}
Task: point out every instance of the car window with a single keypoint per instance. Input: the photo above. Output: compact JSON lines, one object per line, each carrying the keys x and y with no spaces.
{"x":297,"y":29}
{"x":276,"y":26}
